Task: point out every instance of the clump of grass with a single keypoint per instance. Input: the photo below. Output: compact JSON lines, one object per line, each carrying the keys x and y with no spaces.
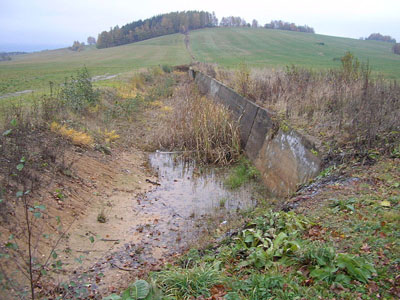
{"x":203,"y":128}
{"x":101,"y":217}
{"x":243,"y":172}
{"x":186,"y":283}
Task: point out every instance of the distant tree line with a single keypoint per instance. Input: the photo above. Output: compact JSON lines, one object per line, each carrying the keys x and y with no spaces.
{"x":233,"y":22}
{"x":281,"y":25}
{"x":6,"y":56}
{"x":277,"y":24}
{"x":156,"y":26}
{"x":380,"y":37}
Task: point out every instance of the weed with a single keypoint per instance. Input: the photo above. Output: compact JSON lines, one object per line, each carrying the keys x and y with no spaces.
{"x":101,"y":217}
{"x":185,"y":283}
{"x":242,"y":173}
{"x":222,"y":202}
{"x":343,"y":205}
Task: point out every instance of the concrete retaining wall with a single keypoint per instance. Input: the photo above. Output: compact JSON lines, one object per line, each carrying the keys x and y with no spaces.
{"x":283,"y":157}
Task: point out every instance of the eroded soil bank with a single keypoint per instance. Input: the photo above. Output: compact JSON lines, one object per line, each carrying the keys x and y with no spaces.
{"x":155,"y":207}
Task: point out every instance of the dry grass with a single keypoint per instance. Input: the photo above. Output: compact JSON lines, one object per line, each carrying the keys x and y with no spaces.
{"x":347,"y":113}
{"x":77,"y":138}
{"x":198,"y":125}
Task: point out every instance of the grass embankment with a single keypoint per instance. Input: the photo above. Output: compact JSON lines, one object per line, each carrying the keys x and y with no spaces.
{"x":278,"y":48}
{"x":34,"y":71}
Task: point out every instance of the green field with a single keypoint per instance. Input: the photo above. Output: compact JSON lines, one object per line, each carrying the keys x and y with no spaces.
{"x":272,"y":48}
{"x":225,"y":46}
{"x":34,"y":71}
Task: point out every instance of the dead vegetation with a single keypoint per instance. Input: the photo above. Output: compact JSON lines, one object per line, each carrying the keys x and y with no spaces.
{"x":346,"y":112}
{"x":201,"y":128}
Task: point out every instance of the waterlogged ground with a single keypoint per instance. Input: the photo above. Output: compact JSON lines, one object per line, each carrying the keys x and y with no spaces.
{"x":144,"y":230}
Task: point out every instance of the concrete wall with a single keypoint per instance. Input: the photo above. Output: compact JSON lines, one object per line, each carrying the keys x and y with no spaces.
{"x":283,"y":157}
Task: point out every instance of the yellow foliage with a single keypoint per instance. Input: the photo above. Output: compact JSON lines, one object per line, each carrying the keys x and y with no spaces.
{"x":137,"y":82}
{"x":166,"y":108}
{"x":54,"y":126}
{"x":156,"y":103}
{"x":110,"y":136}
{"x":127,"y":93}
{"x":77,"y":137}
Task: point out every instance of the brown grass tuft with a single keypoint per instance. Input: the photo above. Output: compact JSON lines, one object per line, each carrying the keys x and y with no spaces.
{"x":200,"y":126}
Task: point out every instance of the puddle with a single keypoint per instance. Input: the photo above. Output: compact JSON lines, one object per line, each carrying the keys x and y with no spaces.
{"x":185,"y":204}
{"x":190,"y":192}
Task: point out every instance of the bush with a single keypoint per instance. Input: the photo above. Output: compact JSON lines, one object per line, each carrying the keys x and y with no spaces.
{"x":166,"y":68}
{"x":78,"y":93}
{"x":396,"y":48}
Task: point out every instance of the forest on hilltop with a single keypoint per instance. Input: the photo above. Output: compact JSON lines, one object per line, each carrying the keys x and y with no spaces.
{"x":156,"y":26}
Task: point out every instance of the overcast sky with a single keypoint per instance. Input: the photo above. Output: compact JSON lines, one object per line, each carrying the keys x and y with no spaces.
{"x":29,"y":25}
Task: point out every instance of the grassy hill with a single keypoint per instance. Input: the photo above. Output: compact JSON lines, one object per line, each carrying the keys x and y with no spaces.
{"x":267,"y":47}
{"x":34,"y":71}
{"x":226,"y":46}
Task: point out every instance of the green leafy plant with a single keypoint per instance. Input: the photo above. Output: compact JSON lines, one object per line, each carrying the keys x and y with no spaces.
{"x":243,"y":172}
{"x":77,"y":92}
{"x":343,"y":205}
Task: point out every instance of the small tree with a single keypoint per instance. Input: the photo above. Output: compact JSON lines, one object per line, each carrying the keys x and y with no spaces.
{"x":350,"y":66}
{"x":91,"y":40}
{"x":254,"y":24}
{"x":396,"y":48}
{"x":77,"y":46}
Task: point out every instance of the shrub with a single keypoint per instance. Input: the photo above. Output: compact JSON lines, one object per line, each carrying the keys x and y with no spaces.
{"x":78,"y":93}
{"x":166,"y":68}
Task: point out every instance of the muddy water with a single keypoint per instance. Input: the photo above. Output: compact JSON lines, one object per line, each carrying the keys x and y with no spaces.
{"x":189,"y":198}
{"x":190,"y":192}
{"x":186,"y":204}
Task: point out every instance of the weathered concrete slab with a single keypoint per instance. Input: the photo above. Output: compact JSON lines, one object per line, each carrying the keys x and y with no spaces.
{"x":284,"y":162}
{"x":262,"y":125}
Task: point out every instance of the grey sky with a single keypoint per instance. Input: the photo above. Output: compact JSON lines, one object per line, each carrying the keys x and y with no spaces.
{"x":39,"y":24}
